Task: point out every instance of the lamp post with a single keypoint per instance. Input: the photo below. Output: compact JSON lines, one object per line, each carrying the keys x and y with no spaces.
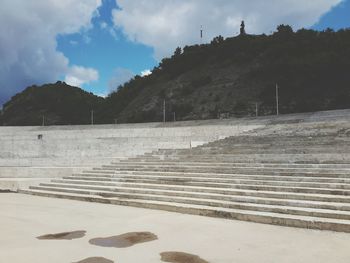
{"x":164,"y":112}
{"x":277,"y":101}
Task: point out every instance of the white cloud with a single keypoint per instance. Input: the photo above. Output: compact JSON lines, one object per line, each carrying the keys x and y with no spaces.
{"x":102,"y":95}
{"x":77,"y":76}
{"x":113,"y":33}
{"x":103,"y":25}
{"x":166,"y":24}
{"x":28,"y":31}
{"x":110,"y":29}
{"x":121,"y":76}
{"x":146,"y":72}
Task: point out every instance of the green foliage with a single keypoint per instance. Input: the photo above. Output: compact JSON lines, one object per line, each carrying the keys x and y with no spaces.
{"x":177,"y":52}
{"x":182,"y":109}
{"x":217,"y":40}
{"x":195,"y":84}
{"x":57,"y":103}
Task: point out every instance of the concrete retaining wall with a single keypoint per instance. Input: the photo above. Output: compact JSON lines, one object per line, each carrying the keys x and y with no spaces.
{"x":28,"y":153}
{"x":56,"y":151}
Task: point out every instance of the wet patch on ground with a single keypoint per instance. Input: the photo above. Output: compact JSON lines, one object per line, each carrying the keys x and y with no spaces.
{"x":95,"y":260}
{"x":63,"y":235}
{"x":125,"y":240}
{"x":180,"y":257}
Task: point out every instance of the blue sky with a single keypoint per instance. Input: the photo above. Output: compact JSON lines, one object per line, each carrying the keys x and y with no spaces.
{"x":105,"y":48}
{"x":100,"y":44}
{"x":337,"y":18}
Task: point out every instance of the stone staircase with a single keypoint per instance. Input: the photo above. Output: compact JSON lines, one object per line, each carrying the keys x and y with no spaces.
{"x":283,"y":174}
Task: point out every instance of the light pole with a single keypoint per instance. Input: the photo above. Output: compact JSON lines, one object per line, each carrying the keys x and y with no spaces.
{"x":164,"y":112}
{"x":277,"y":101}
{"x":92,"y":117}
{"x":201,"y":34}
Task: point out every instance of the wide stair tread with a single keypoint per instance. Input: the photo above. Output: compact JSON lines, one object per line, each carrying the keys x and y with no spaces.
{"x":340,"y":189}
{"x":270,"y":194}
{"x":254,"y":216}
{"x":203,"y":195}
{"x":233,"y":181}
{"x":298,"y":178}
{"x":233,"y":164}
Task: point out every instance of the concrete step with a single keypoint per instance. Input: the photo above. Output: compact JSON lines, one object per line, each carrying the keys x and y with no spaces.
{"x":295,"y":143}
{"x":272,"y":145}
{"x":180,"y":165}
{"x":336,"y":158}
{"x":241,"y":170}
{"x":213,"y":190}
{"x":229,"y":213}
{"x":101,"y":171}
{"x":170,"y":179}
{"x":324,"y":213}
{"x":287,"y":178}
{"x":335,"y":149}
{"x":177,"y":163}
{"x":278,"y":143}
{"x":231,"y":164}
{"x":204,"y":195}
{"x":284,"y":175}
{"x":248,"y":149}
{"x":98,"y":171}
{"x":318,"y":189}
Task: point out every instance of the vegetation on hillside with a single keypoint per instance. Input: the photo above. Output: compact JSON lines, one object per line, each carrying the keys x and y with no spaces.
{"x":311,"y":68}
{"x":227,"y":77}
{"x":52,"y":104}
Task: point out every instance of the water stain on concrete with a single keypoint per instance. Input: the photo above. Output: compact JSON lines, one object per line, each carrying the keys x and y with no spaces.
{"x":125,"y":240}
{"x":63,"y":236}
{"x":95,"y":260}
{"x":180,"y":257}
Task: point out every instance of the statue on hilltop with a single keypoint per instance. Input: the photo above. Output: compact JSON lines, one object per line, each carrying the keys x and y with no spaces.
{"x":242,"y":30}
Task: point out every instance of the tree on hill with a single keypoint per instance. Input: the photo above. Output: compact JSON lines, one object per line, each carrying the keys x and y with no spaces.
{"x":217,"y":40}
{"x":177,"y":52}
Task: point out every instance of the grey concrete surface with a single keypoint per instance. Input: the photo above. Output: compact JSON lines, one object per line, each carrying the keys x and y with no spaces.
{"x":67,"y":149}
{"x":30,"y":151}
{"x":23,"y":218}
{"x":227,"y":178}
{"x":13,"y":184}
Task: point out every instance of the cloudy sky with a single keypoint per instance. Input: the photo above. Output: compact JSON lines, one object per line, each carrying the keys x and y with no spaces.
{"x":100,"y":44}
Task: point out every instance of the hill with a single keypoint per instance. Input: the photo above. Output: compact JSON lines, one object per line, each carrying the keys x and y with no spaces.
{"x":228,"y":77}
{"x":57,"y":103}
{"x":232,"y":75}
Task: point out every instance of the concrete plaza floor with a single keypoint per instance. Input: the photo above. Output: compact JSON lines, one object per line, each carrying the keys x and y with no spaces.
{"x":23,"y":218}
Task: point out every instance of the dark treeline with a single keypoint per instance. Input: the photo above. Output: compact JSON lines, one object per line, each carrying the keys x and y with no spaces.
{"x":227,"y":77}
{"x":50,"y":104}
